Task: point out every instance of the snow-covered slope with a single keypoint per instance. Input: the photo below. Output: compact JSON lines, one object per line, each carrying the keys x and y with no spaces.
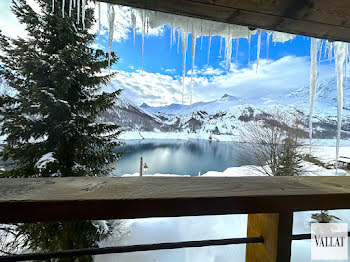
{"x":133,"y":118}
{"x":226,"y":115}
{"x":326,"y":101}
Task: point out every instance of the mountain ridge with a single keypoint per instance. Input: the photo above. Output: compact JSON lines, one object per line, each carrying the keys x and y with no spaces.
{"x":228,"y":114}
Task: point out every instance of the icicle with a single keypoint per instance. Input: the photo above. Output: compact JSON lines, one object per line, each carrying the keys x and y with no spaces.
{"x":220,"y":46}
{"x":111,"y":16}
{"x":258,"y":50}
{"x":174,"y":36}
{"x":78,"y":12}
{"x":133,"y":21}
{"x":171,"y":38}
{"x":249,"y":40}
{"x":53,"y":6}
{"x":178,"y":41}
{"x":282,"y":37}
{"x":184,"y":41}
{"x":194,"y":40}
{"x":228,"y":52}
{"x":330,"y":51}
{"x":209,"y":45}
{"x":63,"y":3}
{"x":237,"y":44}
{"x":228,"y":48}
{"x":171,"y":32}
{"x":70,"y":7}
{"x":268,"y":44}
{"x":201,"y":33}
{"x":143,"y":34}
{"x":340,"y":50}
{"x":313,"y":83}
{"x":326,"y":48}
{"x":74,"y":3}
{"x":319,"y":51}
{"x":346,"y":66}
{"x":83,"y":13}
{"x":147,"y":26}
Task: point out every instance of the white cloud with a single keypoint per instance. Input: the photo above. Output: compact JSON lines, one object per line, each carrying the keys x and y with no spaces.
{"x":152,"y":88}
{"x":273,"y":78}
{"x":210,"y":71}
{"x":206,"y":71}
{"x":171,"y":71}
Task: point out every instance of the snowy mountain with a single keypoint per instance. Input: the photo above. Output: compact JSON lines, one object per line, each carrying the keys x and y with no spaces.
{"x":226,"y":115}
{"x":133,"y":118}
{"x":173,"y":109}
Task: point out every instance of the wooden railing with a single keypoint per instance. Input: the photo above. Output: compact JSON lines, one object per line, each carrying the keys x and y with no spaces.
{"x":269,"y":201}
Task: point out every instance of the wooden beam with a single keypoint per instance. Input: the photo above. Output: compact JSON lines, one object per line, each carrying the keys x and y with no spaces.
{"x":265,"y":225}
{"x":318,"y":18}
{"x":49,"y":199}
{"x":276,"y":229}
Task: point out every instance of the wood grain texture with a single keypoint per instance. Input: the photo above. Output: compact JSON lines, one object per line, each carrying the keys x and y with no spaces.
{"x":48,"y":199}
{"x":265,"y":225}
{"x":319,"y":18}
{"x":276,"y":229}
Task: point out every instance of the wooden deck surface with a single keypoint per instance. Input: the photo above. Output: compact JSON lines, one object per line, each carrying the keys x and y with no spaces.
{"x":50,"y":199}
{"x":319,"y":18}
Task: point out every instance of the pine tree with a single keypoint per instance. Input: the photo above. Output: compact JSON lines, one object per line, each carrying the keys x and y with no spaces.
{"x":52,"y":124}
{"x":324,"y":217}
{"x":290,"y":162}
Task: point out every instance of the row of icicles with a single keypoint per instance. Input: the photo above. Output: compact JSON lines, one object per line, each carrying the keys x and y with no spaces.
{"x":199,"y":28}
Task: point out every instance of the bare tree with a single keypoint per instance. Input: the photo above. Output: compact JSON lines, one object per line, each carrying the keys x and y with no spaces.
{"x":273,"y":142}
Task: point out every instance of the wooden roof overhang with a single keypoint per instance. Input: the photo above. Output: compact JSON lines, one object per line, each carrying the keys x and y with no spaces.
{"x":317,"y":18}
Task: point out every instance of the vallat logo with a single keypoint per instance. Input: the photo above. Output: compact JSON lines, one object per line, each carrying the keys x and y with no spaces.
{"x":329,"y":241}
{"x":322,"y":241}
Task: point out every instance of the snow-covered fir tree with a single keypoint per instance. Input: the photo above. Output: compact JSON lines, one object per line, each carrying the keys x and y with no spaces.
{"x":52,"y":124}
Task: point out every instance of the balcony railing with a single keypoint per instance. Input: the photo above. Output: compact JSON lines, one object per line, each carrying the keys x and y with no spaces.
{"x":269,"y":201}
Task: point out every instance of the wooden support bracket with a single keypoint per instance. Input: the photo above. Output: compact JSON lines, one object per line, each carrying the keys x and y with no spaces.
{"x":276,"y":228}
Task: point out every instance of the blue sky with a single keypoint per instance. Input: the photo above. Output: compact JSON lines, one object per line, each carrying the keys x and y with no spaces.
{"x":158,"y":55}
{"x":286,"y":69}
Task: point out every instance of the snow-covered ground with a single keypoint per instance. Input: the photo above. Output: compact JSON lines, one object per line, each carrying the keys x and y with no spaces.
{"x":326,"y":154}
{"x":156,"y":230}
{"x":136,"y":135}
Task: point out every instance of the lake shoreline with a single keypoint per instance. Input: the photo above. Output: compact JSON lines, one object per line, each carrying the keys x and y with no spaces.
{"x":136,"y":135}
{"x":198,"y":157}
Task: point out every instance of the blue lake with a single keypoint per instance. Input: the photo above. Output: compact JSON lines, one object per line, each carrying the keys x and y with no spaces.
{"x":184,"y":157}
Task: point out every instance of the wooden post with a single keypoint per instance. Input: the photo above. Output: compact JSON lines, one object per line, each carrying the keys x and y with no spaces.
{"x":284,"y":240}
{"x":277,"y":232}
{"x":141,"y":164}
